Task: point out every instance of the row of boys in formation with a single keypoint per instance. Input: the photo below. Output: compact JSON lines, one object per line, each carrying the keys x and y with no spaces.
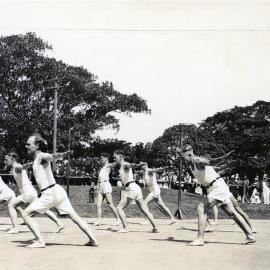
{"x":53,"y":195}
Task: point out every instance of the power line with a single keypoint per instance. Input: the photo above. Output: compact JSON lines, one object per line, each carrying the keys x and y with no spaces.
{"x":169,"y":30}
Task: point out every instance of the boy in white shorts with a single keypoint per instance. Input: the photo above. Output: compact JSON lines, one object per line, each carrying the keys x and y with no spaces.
{"x":52,"y":194}
{"x":105,"y":188}
{"x":150,"y":180}
{"x":131,"y":192}
{"x":27,"y":193}
{"x":218,"y":192}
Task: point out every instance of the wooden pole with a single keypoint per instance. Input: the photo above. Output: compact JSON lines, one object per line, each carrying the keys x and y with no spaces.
{"x":55,"y":124}
{"x":178,"y":212}
{"x":68,"y":165}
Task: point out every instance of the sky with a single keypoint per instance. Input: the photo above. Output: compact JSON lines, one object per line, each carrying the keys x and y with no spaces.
{"x":188,"y":58}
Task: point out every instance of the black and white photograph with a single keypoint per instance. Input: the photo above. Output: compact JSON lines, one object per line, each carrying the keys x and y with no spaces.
{"x":134,"y":134}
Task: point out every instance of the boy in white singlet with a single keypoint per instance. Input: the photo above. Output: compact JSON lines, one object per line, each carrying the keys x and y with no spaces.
{"x":105,"y":188}
{"x":220,"y":168}
{"x":27,"y":193}
{"x":150,"y":180}
{"x":52,"y":194}
{"x":6,"y":194}
{"x":131,"y":192}
{"x":218,"y":192}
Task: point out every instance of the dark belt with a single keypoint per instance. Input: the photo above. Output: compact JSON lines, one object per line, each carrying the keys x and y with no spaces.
{"x":39,"y":195}
{"x":211,"y":184}
{"x":127,"y":184}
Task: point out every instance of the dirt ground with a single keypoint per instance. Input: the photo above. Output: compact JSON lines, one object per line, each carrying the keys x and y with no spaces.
{"x":138,"y":249}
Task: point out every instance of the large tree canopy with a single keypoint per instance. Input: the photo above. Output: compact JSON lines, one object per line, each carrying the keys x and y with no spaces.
{"x":247,"y":131}
{"x":243,"y":129}
{"x":27,"y":76}
{"x":162,"y":148}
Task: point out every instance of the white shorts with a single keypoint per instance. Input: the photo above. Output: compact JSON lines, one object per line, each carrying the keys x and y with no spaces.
{"x":155,"y":191}
{"x":219,"y":191}
{"x":6,"y":194}
{"x":133,"y":191}
{"x":54,"y":197}
{"x":28,"y":194}
{"x":105,"y":187}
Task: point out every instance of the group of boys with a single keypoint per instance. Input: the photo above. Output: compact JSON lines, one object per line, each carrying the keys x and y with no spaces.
{"x":53,"y":195}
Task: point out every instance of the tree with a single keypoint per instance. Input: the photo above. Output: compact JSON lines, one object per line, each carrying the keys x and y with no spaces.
{"x":26,"y":101}
{"x":200,"y":139}
{"x":247,"y":131}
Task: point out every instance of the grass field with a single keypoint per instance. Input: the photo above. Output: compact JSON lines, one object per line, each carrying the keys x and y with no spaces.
{"x":79,"y":196}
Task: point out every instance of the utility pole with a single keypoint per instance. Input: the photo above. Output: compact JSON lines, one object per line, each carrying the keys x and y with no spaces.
{"x":68,"y":165}
{"x":56,"y":88}
{"x":182,"y":130}
{"x":178,"y":212}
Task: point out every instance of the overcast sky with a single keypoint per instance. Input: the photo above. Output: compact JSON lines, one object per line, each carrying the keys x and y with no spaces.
{"x":189,"y":59}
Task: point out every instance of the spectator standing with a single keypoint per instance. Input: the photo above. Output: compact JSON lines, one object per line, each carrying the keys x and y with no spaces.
{"x":245,"y":190}
{"x":265,"y":190}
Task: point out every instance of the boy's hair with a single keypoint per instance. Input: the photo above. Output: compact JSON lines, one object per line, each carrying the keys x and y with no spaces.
{"x":42,"y":143}
{"x":119,"y":152}
{"x":13,"y":155}
{"x":105,"y":154}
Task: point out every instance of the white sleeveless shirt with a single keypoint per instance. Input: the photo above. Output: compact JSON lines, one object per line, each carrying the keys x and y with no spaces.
{"x":43,"y":173}
{"x":2,"y":184}
{"x":125,"y":176}
{"x":151,"y":181}
{"x":104,"y":174}
{"x":205,"y":176}
{"x":21,"y":178}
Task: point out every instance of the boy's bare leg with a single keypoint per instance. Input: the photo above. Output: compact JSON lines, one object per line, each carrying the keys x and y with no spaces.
{"x":109,"y":200}
{"x":143,"y":207}
{"x":202,"y":219}
{"x":85,"y":228}
{"x":121,"y":205}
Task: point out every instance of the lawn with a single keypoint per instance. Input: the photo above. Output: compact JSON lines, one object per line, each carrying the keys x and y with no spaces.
{"x":80,"y":200}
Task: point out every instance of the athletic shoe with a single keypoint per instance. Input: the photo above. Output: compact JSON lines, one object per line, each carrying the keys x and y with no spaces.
{"x":173,"y":221}
{"x":249,"y":241}
{"x":117,"y":223}
{"x":145,"y":222}
{"x":36,"y":244}
{"x":60,"y":228}
{"x":12,"y":231}
{"x":196,"y":243}
{"x":154,"y":230}
{"x":97,"y":223}
{"x":124,"y":230}
{"x":91,"y":244}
